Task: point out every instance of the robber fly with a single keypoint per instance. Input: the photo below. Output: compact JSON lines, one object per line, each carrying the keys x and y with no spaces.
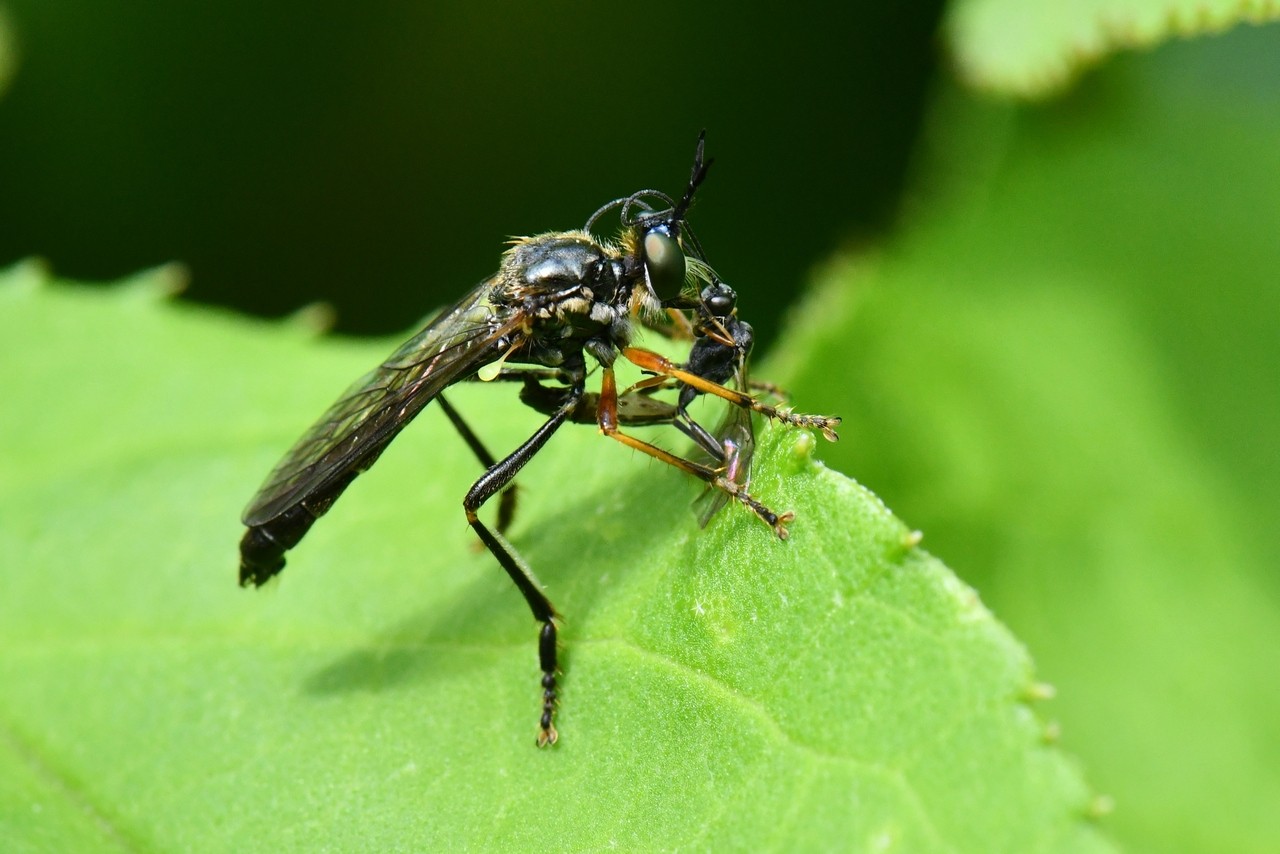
{"x":557,"y":299}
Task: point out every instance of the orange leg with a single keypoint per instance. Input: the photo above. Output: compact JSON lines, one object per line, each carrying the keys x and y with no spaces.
{"x":607,"y":418}
{"x":661,"y":365}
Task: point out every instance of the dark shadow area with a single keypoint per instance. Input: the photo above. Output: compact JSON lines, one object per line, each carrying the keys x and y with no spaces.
{"x":376,"y":156}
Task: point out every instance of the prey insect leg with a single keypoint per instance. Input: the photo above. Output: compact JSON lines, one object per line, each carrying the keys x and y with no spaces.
{"x":608,"y":420}
{"x":490,"y":483}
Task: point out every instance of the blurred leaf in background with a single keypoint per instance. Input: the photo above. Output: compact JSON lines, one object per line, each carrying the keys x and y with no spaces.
{"x":1065,"y":372}
{"x":1007,"y":47}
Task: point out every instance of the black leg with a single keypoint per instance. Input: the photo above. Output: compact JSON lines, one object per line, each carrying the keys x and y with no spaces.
{"x":507,"y":502}
{"x":493,"y":481}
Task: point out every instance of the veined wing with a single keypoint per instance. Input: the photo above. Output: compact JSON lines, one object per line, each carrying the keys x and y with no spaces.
{"x":737,"y":440}
{"x":736,"y":435}
{"x":356,"y":429}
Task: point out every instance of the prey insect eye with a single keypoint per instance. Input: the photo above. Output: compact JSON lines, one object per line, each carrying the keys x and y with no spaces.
{"x":664,"y":264}
{"x":719,"y":299}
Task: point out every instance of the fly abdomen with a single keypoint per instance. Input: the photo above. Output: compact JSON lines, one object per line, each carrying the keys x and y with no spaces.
{"x":263,"y":546}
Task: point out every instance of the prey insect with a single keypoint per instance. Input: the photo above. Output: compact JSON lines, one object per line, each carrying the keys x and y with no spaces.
{"x":720,"y":354}
{"x":557,"y":300}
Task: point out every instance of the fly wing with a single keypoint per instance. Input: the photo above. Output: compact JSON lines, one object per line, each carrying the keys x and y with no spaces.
{"x":356,"y":429}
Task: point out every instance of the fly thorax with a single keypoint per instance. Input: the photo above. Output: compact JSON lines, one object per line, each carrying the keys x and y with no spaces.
{"x":603,"y":314}
{"x":550,"y":263}
{"x":565,"y":307}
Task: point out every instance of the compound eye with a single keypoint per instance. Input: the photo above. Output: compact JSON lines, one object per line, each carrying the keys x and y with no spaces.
{"x":719,"y":299}
{"x":663,"y":262}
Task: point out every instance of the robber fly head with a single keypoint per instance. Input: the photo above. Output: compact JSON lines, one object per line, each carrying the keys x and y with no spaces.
{"x":661,"y":239}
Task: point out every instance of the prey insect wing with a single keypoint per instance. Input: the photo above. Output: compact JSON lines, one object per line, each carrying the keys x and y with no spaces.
{"x":736,"y":436}
{"x":363,"y":421}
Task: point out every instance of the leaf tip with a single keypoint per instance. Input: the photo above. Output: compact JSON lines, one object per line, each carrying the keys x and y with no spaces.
{"x":26,"y":275}
{"x":159,"y":283}
{"x":802,"y":447}
{"x":1100,"y":806}
{"x":314,"y":318}
{"x":1037,"y":691}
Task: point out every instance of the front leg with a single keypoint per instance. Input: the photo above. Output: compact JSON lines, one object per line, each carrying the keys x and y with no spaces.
{"x":662,"y":366}
{"x":493,"y":481}
{"x":607,"y":416}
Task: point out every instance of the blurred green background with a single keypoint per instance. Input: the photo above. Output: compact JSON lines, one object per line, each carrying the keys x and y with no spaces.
{"x":376,"y":156}
{"x":1049,"y":324}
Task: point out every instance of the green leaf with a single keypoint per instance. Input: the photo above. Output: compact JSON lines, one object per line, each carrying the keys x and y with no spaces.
{"x":1065,"y":374}
{"x":1036,"y":49}
{"x":722,"y":688}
